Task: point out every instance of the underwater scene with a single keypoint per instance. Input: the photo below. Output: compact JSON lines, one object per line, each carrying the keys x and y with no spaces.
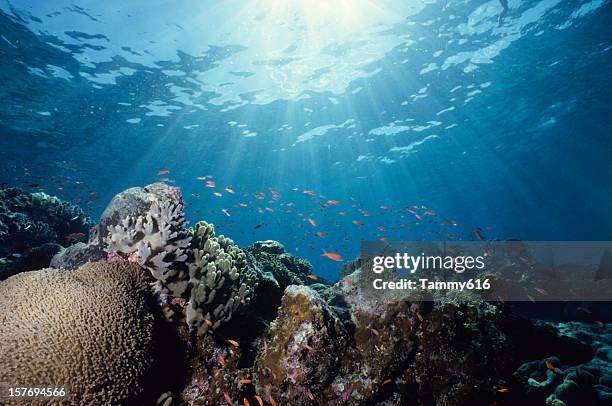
{"x":306,"y":202}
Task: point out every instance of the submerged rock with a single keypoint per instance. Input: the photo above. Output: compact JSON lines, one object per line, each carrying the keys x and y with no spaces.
{"x":33,"y":227}
{"x":303,"y":349}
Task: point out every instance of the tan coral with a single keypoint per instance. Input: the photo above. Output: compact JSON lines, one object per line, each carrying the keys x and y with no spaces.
{"x":90,"y":329}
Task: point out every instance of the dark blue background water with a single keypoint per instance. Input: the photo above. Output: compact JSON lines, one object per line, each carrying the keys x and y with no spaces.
{"x":91,"y":103}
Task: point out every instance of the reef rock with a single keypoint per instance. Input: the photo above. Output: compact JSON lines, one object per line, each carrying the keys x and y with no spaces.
{"x":35,"y":226}
{"x":286,"y":269}
{"x":91,"y":329}
{"x":303,"y":349}
{"x":552,"y":382}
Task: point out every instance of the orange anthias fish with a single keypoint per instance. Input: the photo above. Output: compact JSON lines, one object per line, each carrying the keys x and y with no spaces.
{"x":310,"y":192}
{"x":333,"y":202}
{"x":233,"y":342}
{"x":312,"y":222}
{"x":259,"y":400}
{"x":217,"y":194}
{"x":163,"y":172}
{"x":503,"y":390}
{"x":332,"y":255}
{"x":230,"y":189}
{"x":551,"y":367}
{"x":313,"y":277}
{"x":210,"y":183}
{"x":246,"y":402}
{"x":320,"y":234}
{"x":228,"y":399}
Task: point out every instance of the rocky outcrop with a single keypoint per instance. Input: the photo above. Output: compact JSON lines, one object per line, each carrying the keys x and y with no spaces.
{"x":34,"y":227}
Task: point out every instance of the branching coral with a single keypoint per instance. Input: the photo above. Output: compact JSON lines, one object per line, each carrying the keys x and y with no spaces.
{"x":158,"y":241}
{"x":219,"y":278}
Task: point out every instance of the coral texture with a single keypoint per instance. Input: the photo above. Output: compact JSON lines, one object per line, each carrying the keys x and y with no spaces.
{"x":219,"y":279}
{"x":90,"y":329}
{"x":33,"y":226}
{"x":158,"y":241}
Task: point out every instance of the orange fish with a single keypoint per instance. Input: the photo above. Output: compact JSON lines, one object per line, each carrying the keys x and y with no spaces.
{"x":163,"y":172}
{"x":310,"y":192}
{"x":259,"y":400}
{"x":222,"y":360}
{"x":246,"y":402}
{"x":550,"y":366}
{"x":233,"y":342}
{"x":333,"y":202}
{"x":210,"y":183}
{"x":228,"y":399}
{"x":245,"y":381}
{"x":357,"y":222}
{"x":313,"y":277}
{"x":478,"y":234}
{"x":320,"y":234}
{"x":312,"y":222}
{"x":387,"y":381}
{"x":332,"y":255}
{"x":230,"y":189}
{"x":503,"y":390}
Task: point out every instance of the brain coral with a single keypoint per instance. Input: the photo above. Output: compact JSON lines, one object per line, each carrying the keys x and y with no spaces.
{"x":90,"y":329}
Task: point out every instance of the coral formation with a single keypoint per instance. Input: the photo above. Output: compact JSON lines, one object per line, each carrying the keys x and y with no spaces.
{"x":33,"y":227}
{"x":219,"y":279}
{"x":303,"y":352}
{"x":90,"y":329}
{"x":552,"y":382}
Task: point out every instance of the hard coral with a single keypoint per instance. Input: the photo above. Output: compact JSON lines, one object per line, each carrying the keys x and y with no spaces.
{"x":90,"y":329}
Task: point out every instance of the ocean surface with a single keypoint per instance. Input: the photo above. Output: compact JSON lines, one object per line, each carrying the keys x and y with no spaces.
{"x":319,"y":123}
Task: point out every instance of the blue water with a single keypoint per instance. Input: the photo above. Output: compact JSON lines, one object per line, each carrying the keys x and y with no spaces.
{"x":483,"y":121}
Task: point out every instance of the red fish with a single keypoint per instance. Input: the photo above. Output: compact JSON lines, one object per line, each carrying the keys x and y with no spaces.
{"x":312,"y":222}
{"x":230,"y":189}
{"x":210,"y":183}
{"x":163,"y":172}
{"x":309,"y":192}
{"x":478,"y":234}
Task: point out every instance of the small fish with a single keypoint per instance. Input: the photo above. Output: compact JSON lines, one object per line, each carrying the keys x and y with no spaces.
{"x":334,"y":256}
{"x":74,"y":218}
{"x":375,"y":332}
{"x":310,"y":192}
{"x":217,"y":194}
{"x":222,"y":360}
{"x":357,"y":223}
{"x":551,"y":367}
{"x":478,"y":234}
{"x":320,"y":234}
{"x":228,"y":399}
{"x":246,"y":402}
{"x":600,"y":324}
{"x":541,"y":291}
{"x":257,"y":226}
{"x":28,"y":227}
{"x":35,"y":185}
{"x":230,"y":189}
{"x":418,"y":314}
{"x":75,"y":236}
{"x":310,"y":395}
{"x":208,"y":322}
{"x":245,"y":381}
{"x":531,"y":299}
{"x":312,"y":222}
{"x":163,"y":172}
{"x":387,"y":381}
{"x":233,"y":342}
{"x":333,"y":202}
{"x":272,"y":401}
{"x":312,"y":276}
{"x":503,"y":390}
{"x":210,"y":183}
{"x":226,"y":212}
{"x":259,"y":400}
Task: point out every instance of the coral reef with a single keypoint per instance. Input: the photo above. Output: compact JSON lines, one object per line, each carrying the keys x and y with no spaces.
{"x":254,"y":326}
{"x":219,"y":279}
{"x":91,"y":329}
{"x":552,"y":382}
{"x":158,"y":241}
{"x":34,"y":227}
